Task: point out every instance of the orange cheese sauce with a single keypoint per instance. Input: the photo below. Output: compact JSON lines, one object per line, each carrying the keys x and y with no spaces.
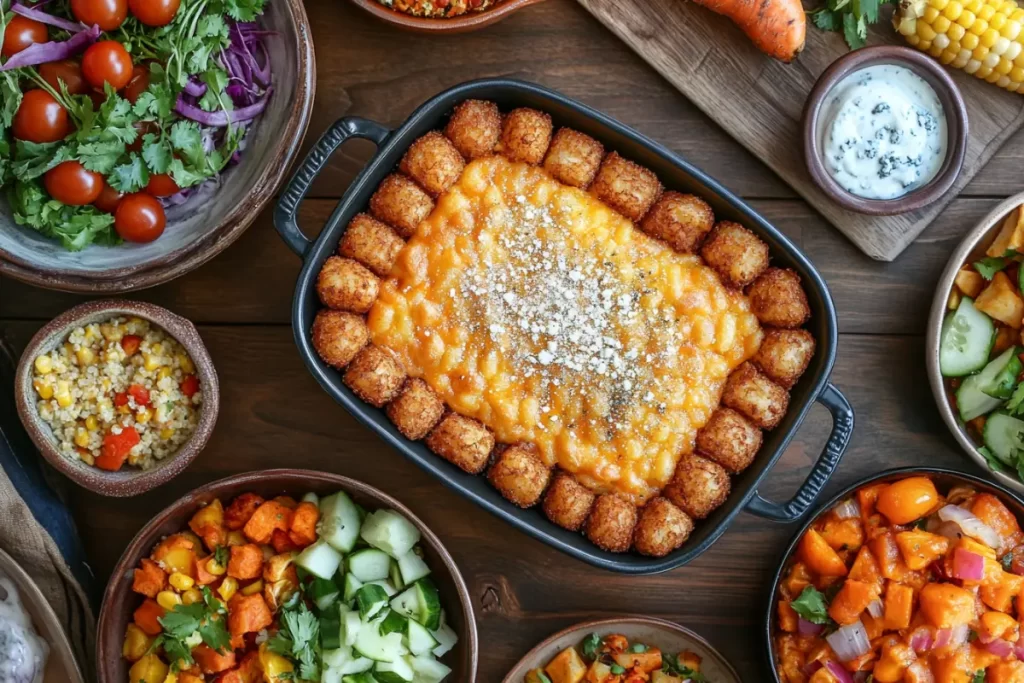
{"x":536,"y":309}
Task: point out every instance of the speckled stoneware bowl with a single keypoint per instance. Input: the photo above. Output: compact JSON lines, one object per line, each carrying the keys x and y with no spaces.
{"x":128,"y":481}
{"x":119,"y":601}
{"x":200,"y":229}
{"x":665,"y":635}
{"x":463,"y":23}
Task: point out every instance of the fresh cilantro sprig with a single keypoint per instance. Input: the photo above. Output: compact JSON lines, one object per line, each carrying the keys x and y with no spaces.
{"x":299,"y":639}
{"x":675,"y":667}
{"x":204,"y":620}
{"x":591,"y":646}
{"x":849,"y":17}
{"x":812,"y":606}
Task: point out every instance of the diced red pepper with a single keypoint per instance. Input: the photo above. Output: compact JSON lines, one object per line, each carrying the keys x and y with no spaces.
{"x":130,"y":343}
{"x":140,"y":394}
{"x":190,"y":385}
{"x":121,"y":399}
{"x":116,"y":448}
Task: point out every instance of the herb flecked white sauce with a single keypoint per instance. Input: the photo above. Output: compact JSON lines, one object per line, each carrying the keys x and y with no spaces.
{"x":22,"y":653}
{"x":883,"y":133}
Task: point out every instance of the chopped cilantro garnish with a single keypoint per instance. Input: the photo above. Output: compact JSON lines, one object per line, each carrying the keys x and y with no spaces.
{"x":591,"y":645}
{"x":990,"y":265}
{"x":205,"y":618}
{"x":299,"y":639}
{"x":812,"y":606}
{"x":222,"y":555}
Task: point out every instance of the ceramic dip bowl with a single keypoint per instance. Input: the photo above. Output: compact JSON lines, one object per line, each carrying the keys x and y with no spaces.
{"x":129,"y":480}
{"x":814,"y":118}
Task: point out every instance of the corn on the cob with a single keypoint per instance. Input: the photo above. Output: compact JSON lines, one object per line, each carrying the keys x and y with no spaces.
{"x":981,"y":37}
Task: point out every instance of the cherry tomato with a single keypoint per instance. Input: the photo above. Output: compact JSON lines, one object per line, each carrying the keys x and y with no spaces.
{"x":107,"y":202}
{"x":130,"y":343}
{"x":140,"y":394}
{"x":116,"y":448}
{"x":40,"y":118}
{"x":139,"y":218}
{"x":68,"y":71}
{"x":137,"y":85}
{"x":107,"y":14}
{"x":107,"y":62}
{"x":121,"y":399}
{"x":154,"y":12}
{"x":162,"y":185}
{"x":21,"y":33}
{"x":190,"y":385}
{"x":70,"y":183}
{"x":142,"y":127}
{"x":907,"y":499}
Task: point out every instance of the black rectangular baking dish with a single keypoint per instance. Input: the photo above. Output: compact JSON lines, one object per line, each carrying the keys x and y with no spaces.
{"x":676,"y":174}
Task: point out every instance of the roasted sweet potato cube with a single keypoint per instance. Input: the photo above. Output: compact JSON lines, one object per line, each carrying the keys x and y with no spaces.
{"x":817,"y":554}
{"x":921,"y":548}
{"x":269,"y":516}
{"x":647,"y":661}
{"x":566,"y":667}
{"x":1001,"y":301}
{"x":899,"y":604}
{"x":248,"y":614}
{"x":851,"y":600}
{"x":1011,"y":235}
{"x":240,"y":510}
{"x":210,"y":661}
{"x":149,"y":579}
{"x":246,"y":561}
{"x":303,"y":529}
{"x":969,"y":281}
{"x":147,"y":617}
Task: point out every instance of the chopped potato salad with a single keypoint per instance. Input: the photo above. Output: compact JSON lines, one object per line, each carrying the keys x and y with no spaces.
{"x":613,"y":659}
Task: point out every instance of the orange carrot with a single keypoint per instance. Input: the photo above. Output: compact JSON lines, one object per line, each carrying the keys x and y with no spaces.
{"x":246,"y":561}
{"x":149,"y":579}
{"x":146,"y":617}
{"x":303,"y":529}
{"x":267,"y":517}
{"x":777,"y":27}
{"x":248,"y":614}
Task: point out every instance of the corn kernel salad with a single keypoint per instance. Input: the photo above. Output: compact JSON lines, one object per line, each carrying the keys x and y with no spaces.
{"x":437,"y":9}
{"x":116,"y":392}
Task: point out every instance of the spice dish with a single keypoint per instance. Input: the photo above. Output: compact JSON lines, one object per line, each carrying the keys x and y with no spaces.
{"x":467,"y":437}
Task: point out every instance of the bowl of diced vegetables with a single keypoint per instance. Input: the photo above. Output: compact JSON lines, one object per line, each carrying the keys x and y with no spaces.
{"x":975,"y":343}
{"x":286,"y":575}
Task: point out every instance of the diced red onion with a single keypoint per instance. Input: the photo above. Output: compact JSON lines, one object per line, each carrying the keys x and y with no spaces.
{"x":921,"y":640}
{"x":999,"y":647}
{"x":876,"y":609}
{"x":837,"y":670}
{"x":970,"y":525}
{"x":220,"y":119}
{"x":809,"y":628}
{"x":921,"y":672}
{"x":195,"y":88}
{"x":40,"y":53}
{"x":812,"y":666}
{"x":849,"y":642}
{"x":968,"y":566}
{"x":848,"y":509}
{"x":44,"y":18}
{"x":1018,"y":649}
{"x":951,"y":637}
{"x":950,"y":530}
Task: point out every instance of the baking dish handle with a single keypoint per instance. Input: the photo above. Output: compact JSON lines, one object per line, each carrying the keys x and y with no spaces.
{"x":287,"y":209}
{"x":838,"y":440}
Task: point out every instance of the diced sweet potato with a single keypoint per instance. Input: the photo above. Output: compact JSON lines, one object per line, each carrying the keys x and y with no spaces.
{"x":566,"y":667}
{"x":899,"y":604}
{"x":969,"y":281}
{"x":788,"y":618}
{"x":819,"y":557}
{"x":893,"y":662}
{"x":865,"y":569}
{"x":797,"y":579}
{"x":267,"y":517}
{"x":240,"y":510}
{"x":992,"y":512}
{"x":867,"y":497}
{"x":282,"y":542}
{"x":147,"y":615}
{"x":1005,"y":672}
{"x":944,"y":605}
{"x":1011,"y":235}
{"x":248,"y":614}
{"x":303,"y":527}
{"x":209,"y":515}
{"x":210,"y":661}
{"x":646,"y":661}
{"x":1005,"y":338}
{"x":203,"y":575}
{"x":1001,"y":301}
{"x":843,"y":534}
{"x":852,"y":599}
{"x":887,"y":554}
{"x":999,"y":595}
{"x":246,"y":561}
{"x":176,"y":553}
{"x":149,"y":579}
{"x":921,"y":548}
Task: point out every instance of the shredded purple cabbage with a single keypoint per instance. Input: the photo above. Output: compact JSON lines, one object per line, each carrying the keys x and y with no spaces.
{"x":220,"y":119}
{"x":42,"y":17}
{"x":40,"y":53}
{"x":195,"y":88}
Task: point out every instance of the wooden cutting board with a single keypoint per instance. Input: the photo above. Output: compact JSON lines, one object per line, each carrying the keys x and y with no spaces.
{"x":759,"y":101}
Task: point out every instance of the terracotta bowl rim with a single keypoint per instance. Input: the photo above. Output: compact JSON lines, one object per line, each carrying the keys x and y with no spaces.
{"x":148,"y":535}
{"x":189,"y":257}
{"x":957,"y":128}
{"x":88,"y":476}
{"x":470,"y":21}
{"x":638,"y":619}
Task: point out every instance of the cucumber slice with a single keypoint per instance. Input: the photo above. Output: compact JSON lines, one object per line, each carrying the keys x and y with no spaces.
{"x":319,"y":559}
{"x":350,"y":626}
{"x":369,"y":565}
{"x":330,"y":628}
{"x":352,"y":584}
{"x":339,"y":521}
{"x":972,"y":402}
{"x":396,"y":671}
{"x":395,"y":575}
{"x":358,"y":665}
{"x":390,"y":532}
{"x":311,"y":498}
{"x":393,"y":623}
{"x":446,"y":640}
{"x":428,"y":670}
{"x":966,"y":340}
{"x":1004,"y":437}
{"x":412,"y":567}
{"x":337,"y":657}
{"x":420,"y":602}
{"x":371,"y":644}
{"x":362,"y":677}
{"x":418,"y":638}
{"x":324,"y":593}
{"x":1004,"y":381}
{"x":386,"y":585}
{"x":330,"y":676}
{"x":371,"y":599}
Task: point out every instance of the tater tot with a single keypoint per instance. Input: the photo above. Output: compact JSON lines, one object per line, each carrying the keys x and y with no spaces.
{"x":574,"y":158}
{"x":401,"y":203}
{"x":462,"y":441}
{"x":474,"y":128}
{"x":433,"y":162}
{"x":372,"y":243}
{"x":784,"y":355}
{"x":610,"y":523}
{"x":525,"y":135}
{"x":338,"y":336}
{"x":735,"y":253}
{"x":567,"y":502}
{"x":698,"y":486}
{"x":729,"y":439}
{"x":346,"y":285}
{"x":680,"y":220}
{"x":416,"y":409}
{"x":778,"y":299}
{"x":374,"y":375}
{"x":520,"y":475}
{"x":628,"y":188}
{"x":750,"y":392}
{"x":662,"y":528}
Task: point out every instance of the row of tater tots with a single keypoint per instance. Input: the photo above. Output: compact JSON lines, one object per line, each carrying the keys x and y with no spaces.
{"x":755,"y":397}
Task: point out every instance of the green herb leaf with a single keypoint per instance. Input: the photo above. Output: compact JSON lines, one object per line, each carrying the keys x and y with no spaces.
{"x":617,"y":670}
{"x":75,"y":226}
{"x":812,"y":606}
{"x":299,"y":639}
{"x":979,"y":676}
{"x":222,"y":555}
{"x":827,"y":20}
{"x":591,"y":646}
{"x":131,"y":176}
{"x":993,"y":462}
{"x":990,"y":265}
{"x":156,"y":152}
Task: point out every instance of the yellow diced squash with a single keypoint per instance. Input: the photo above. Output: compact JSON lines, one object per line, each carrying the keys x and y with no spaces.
{"x":148,"y":669}
{"x":1001,"y":301}
{"x":599,"y":672}
{"x":1011,"y":235}
{"x":136,"y":643}
{"x":969,"y":281}
{"x":566,"y":667}
{"x":275,"y":667}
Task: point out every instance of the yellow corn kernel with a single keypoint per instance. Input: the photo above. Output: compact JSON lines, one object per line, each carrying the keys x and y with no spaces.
{"x":124,"y":410}
{"x":930,"y":14}
{"x":86,"y":457}
{"x":168,"y":599}
{"x":978,"y":27}
{"x":164,"y":373}
{"x":82,"y":438}
{"x":44,"y":389}
{"x":253,"y":588}
{"x":150,"y":362}
{"x":925,"y":32}
{"x":215,"y":567}
{"x":63,"y":393}
{"x":941,"y":26}
{"x":191,"y":596}
{"x":157,"y":347}
{"x":236,"y":538}
{"x":166,"y":433}
{"x":85,"y":356}
{"x":181,"y":582}
{"x":955,"y":33}
{"x":172,"y":677}
{"x":228,"y":587}
{"x":966,"y":19}
{"x":44,"y":364}
{"x":144,"y":416}
{"x":953,"y":11}
{"x":186,"y":363}
{"x":988,"y":38}
{"x":91,"y":423}
{"x":969,"y":41}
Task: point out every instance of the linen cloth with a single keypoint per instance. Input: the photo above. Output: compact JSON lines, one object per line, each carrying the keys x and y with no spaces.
{"x":38,"y":530}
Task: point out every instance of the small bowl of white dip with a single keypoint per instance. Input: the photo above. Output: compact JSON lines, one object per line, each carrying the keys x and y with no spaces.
{"x":885,"y":130}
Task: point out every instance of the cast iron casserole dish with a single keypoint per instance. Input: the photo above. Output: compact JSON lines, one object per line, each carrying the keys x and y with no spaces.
{"x":676,"y":174}
{"x":944,"y":478}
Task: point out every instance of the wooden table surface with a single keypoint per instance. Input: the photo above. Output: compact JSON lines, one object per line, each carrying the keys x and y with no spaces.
{"x":273,"y":414}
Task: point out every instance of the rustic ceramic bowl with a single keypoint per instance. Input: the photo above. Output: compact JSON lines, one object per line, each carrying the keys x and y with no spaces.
{"x":128,"y":481}
{"x":970,"y":249}
{"x":470,"y":21}
{"x":956,"y":126}
{"x":200,"y":229}
{"x":119,"y":601}
{"x":61,"y":666}
{"x":666,"y":636}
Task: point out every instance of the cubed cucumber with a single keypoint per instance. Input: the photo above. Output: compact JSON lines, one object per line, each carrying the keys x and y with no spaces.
{"x":395,"y":671}
{"x":371,"y":644}
{"x":337,"y":657}
{"x":371,"y":599}
{"x":324,"y":593}
{"x":971,"y":401}
{"x":362,"y":677}
{"x":420,"y":602}
{"x":426,"y":669}
{"x":386,"y":585}
{"x":965,"y":341}
{"x":319,"y":559}
{"x":390,"y":532}
{"x":395,"y":575}
{"x":311,"y":498}
{"x":339,"y":521}
{"x":330,"y":627}
{"x":412,"y":567}
{"x":393,"y":623}
{"x":417,"y":638}
{"x":1004,"y":437}
{"x":369,"y":565}
{"x":350,"y":626}
{"x":352,"y":584}
{"x":446,"y":640}
{"x":357,"y":665}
